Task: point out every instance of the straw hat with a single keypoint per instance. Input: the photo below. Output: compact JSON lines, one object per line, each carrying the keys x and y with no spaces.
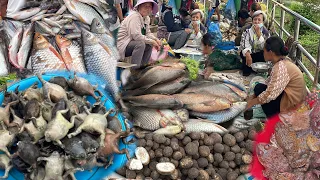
{"x":154,"y":7}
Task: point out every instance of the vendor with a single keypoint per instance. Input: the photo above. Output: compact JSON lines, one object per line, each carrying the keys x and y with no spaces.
{"x":213,"y":9}
{"x":185,"y":17}
{"x":135,"y":38}
{"x":207,"y":49}
{"x":252,"y":42}
{"x":245,"y":22}
{"x":198,"y":29}
{"x":285,"y":88}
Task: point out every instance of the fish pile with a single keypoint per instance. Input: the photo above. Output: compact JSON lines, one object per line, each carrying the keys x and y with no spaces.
{"x":228,"y":30}
{"x":195,"y":155}
{"x":68,"y":35}
{"x":162,"y":97}
{"x":294,"y":148}
{"x":57,"y":131}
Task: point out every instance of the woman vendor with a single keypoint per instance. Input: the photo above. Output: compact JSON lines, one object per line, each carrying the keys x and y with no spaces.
{"x":198,"y":29}
{"x":252,"y":42}
{"x":134,"y":37}
{"x":285,"y":88}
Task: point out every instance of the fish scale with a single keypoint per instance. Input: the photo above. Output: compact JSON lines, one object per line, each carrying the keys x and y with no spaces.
{"x":77,"y":58}
{"x":110,"y":42}
{"x":45,"y":60}
{"x":197,"y":125}
{"x":224,"y":115}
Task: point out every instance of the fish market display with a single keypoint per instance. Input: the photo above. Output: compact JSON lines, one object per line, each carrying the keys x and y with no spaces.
{"x":55,"y":130}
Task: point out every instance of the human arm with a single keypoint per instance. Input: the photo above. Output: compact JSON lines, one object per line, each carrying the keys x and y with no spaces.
{"x":3,"y":7}
{"x":119,"y":12}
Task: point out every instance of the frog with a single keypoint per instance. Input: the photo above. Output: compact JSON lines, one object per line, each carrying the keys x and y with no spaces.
{"x":58,"y":128}
{"x":35,"y":133}
{"x":77,"y":101}
{"x":89,"y":163}
{"x":93,"y":122}
{"x":52,"y":92}
{"x":54,"y":166}
{"x":61,"y":81}
{"x":5,"y":163}
{"x":28,"y":152}
{"x":6,"y":140}
{"x":37,"y":175}
{"x":70,"y":169}
{"x":33,"y":92}
{"x":46,"y":109}
{"x":272,"y":159}
{"x":60,"y":105}
{"x":74,"y":148}
{"x":90,"y":144}
{"x":315,"y":119}
{"x":5,"y":115}
{"x":17,"y":120}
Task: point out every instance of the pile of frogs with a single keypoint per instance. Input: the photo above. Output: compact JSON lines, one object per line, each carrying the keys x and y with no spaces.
{"x":53,"y":131}
{"x":294,"y":148}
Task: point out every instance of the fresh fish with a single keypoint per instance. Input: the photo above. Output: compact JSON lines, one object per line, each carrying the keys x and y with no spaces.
{"x":69,"y":16}
{"x":73,"y":35}
{"x":4,"y":68}
{"x":56,"y":18}
{"x":69,"y":26}
{"x":96,"y":3}
{"x":62,"y":9}
{"x":229,"y":79}
{"x":173,"y":64}
{"x":153,"y":119}
{"x":71,"y":54}
{"x":51,"y":23}
{"x":171,"y":87}
{"x":183,"y":114}
{"x":203,"y":102}
{"x":220,"y":90}
{"x":99,"y":61}
{"x":26,"y":44}
{"x":104,"y":35}
{"x":83,"y":12}
{"x":156,"y":75}
{"x":37,"y":15}
{"x":156,"y":101}
{"x":14,"y":48}
{"x":21,"y":15}
{"x":56,"y":30}
{"x":224,"y":115}
{"x":38,"y":18}
{"x":168,"y":130}
{"x":236,"y":90}
{"x":43,"y":27}
{"x":199,"y":125}
{"x":44,"y":56}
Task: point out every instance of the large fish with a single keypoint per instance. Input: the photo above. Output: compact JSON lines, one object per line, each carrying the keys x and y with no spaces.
{"x":83,"y":12}
{"x":23,"y":54}
{"x":221,"y":90}
{"x":153,"y":119}
{"x":156,"y":75}
{"x":203,"y":102}
{"x":44,"y":56}
{"x":4,"y":66}
{"x":21,"y":15}
{"x":14,"y":47}
{"x":199,"y":125}
{"x":168,"y":130}
{"x":44,"y":28}
{"x":224,"y":115}
{"x":99,"y":61}
{"x":71,"y":54}
{"x":156,"y":101}
{"x":104,"y":35}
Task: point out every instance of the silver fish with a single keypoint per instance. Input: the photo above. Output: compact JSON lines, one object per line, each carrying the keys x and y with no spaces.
{"x":224,"y":115}
{"x":69,"y":16}
{"x":43,"y":27}
{"x":199,"y":125}
{"x":56,"y":18}
{"x":21,"y":15}
{"x":4,"y":68}
{"x":56,"y":30}
{"x":96,"y":3}
{"x":37,"y":18}
{"x":36,"y":15}
{"x":14,"y":48}
{"x":26,"y":44}
{"x":69,"y":26}
{"x":156,"y":101}
{"x":62,"y":9}
{"x":64,"y":21}
{"x":99,"y":61}
{"x":153,"y":119}
{"x":171,"y":87}
{"x":52,"y":23}
{"x":83,"y":12}
{"x":73,"y":35}
{"x":44,"y":56}
{"x":168,"y":130}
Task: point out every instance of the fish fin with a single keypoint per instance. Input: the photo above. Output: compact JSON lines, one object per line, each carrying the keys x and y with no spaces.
{"x":72,"y":5}
{"x":105,"y":47}
{"x":81,"y":19}
{"x":67,"y":58}
{"x":55,"y":52}
{"x":209,"y":103}
{"x":137,"y":104}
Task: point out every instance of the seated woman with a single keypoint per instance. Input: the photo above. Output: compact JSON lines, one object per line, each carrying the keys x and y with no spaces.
{"x":134,"y":37}
{"x":285,"y":88}
{"x":252,"y":42}
{"x":178,"y":35}
{"x":198,"y":29}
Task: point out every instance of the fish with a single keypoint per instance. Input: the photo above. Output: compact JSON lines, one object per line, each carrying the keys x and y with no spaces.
{"x":173,"y":64}
{"x":183,"y":114}
{"x":171,"y":87}
{"x":229,"y":79}
{"x":220,"y":89}
{"x":39,"y":17}
{"x":153,"y":119}
{"x":156,"y":101}
{"x":71,"y":54}
{"x":95,"y":3}
{"x":4,"y":66}
{"x":36,"y":15}
{"x":26,"y":43}
{"x":203,"y":102}
{"x":200,"y":125}
{"x":14,"y":48}
{"x":21,"y":15}
{"x":69,"y":16}
{"x":43,"y":27}
{"x":155,"y":75}
{"x":99,"y":61}
{"x":64,"y":21}
{"x":62,"y":9}
{"x":44,"y":56}
{"x":51,"y":23}
{"x":73,"y":35}
{"x":83,"y":12}
{"x":69,"y":26}
{"x":224,"y":115}
{"x":168,"y":130}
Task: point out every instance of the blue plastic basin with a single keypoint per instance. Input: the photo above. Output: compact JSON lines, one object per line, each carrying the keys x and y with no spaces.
{"x":96,"y":173}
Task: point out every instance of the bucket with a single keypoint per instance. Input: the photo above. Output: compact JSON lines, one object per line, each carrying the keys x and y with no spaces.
{"x":96,"y":173}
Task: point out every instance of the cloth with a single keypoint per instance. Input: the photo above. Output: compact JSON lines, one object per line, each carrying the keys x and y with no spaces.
{"x":163,"y":33}
{"x":285,"y":76}
{"x":249,"y":43}
{"x":172,"y":23}
{"x":221,"y":61}
{"x":214,"y":3}
{"x":248,"y":24}
{"x":115,"y":34}
{"x":178,"y":39}
{"x":197,"y":37}
{"x":140,"y":53}
{"x":271,"y":108}
{"x":130,"y":29}
{"x":256,"y":57}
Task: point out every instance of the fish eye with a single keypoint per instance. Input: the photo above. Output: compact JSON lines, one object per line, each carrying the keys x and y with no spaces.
{"x":39,"y":37}
{"x":88,"y":35}
{"x":98,"y":24}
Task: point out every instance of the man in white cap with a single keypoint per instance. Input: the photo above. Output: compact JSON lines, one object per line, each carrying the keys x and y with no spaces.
{"x":134,"y":37}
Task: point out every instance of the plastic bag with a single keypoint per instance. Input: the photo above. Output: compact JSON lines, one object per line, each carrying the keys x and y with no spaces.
{"x":214,"y":31}
{"x":230,"y":11}
{"x":222,"y":61}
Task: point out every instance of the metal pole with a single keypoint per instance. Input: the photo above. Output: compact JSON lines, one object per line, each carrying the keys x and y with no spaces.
{"x":282,"y":22}
{"x":317,"y":67}
{"x":273,"y":12}
{"x":268,"y":6}
{"x":296,"y":29}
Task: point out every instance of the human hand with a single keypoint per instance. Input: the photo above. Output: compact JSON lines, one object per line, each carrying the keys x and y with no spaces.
{"x":207,"y":72}
{"x":159,"y":42}
{"x":248,"y":60}
{"x":156,"y":45}
{"x":257,"y":30}
{"x":188,"y":30}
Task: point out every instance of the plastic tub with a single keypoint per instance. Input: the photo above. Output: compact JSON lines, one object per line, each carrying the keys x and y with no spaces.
{"x":96,"y":173}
